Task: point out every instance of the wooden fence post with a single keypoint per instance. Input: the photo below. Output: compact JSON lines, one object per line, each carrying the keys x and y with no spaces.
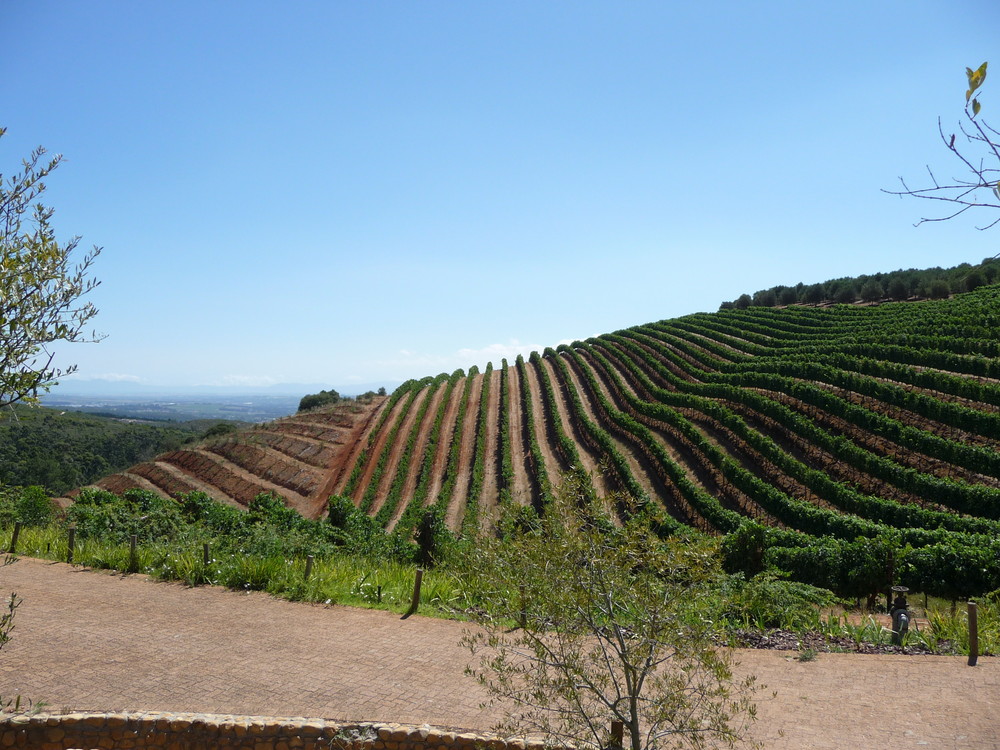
{"x":416,"y":594}
{"x":973,"y":633}
{"x":617,"y":734}
{"x":13,"y":539}
{"x":133,"y":563}
{"x":71,"y":542}
{"x":524,"y":609}
{"x":309,"y":566}
{"x":205,"y":555}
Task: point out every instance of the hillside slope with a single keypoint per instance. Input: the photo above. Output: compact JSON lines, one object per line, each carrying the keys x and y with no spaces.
{"x":844,"y":423}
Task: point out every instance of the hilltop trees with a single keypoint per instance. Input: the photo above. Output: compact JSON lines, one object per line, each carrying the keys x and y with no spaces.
{"x":316,"y":400}
{"x":979,"y":153}
{"x":896,"y":285}
{"x":40,"y":291}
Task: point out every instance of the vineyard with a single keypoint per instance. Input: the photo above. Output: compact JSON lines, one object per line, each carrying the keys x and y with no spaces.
{"x":853,"y":446}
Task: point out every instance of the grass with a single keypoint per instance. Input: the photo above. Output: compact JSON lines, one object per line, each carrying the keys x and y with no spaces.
{"x":341,"y":579}
{"x":946,"y":629}
{"x":384,"y":583}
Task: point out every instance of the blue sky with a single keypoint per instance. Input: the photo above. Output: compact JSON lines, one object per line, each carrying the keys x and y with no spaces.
{"x":350,"y":192}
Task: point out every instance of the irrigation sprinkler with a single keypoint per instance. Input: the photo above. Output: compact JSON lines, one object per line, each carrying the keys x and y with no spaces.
{"x":900,"y":614}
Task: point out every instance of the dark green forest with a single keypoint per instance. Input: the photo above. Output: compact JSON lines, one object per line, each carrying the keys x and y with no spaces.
{"x":904,"y":284}
{"x":63,"y":450}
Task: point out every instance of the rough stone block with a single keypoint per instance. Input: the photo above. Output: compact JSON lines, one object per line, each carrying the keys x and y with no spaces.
{"x":54,"y":733}
{"x":312,"y":728}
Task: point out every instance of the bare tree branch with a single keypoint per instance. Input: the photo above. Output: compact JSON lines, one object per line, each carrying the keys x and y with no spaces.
{"x":980,"y":156}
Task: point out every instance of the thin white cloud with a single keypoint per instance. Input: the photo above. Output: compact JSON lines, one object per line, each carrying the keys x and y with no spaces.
{"x":246,"y":380}
{"x":110,"y":377}
{"x":410,"y":363}
{"x":496,"y":352}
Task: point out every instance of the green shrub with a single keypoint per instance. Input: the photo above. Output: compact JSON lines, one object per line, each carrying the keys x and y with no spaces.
{"x":340,"y":510}
{"x":220,"y":429}
{"x":98,"y":514}
{"x":267,"y":508}
{"x":766,"y":601}
{"x":433,"y":537}
{"x":33,"y":507}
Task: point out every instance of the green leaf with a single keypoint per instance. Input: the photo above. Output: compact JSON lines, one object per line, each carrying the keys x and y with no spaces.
{"x":975,"y":107}
{"x":976,"y":78}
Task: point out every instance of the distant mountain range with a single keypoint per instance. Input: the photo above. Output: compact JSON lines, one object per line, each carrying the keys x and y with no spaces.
{"x":124,"y":389}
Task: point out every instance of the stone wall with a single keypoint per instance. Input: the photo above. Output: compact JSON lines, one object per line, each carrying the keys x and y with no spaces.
{"x":167,"y":731}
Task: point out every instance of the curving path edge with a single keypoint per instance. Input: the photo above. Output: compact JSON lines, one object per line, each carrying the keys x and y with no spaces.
{"x":93,"y":641}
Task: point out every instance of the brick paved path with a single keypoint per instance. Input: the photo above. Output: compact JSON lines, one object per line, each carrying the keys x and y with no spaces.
{"x":93,"y":641}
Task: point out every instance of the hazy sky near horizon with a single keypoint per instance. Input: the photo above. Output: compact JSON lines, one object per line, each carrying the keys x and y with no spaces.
{"x":349,"y":192}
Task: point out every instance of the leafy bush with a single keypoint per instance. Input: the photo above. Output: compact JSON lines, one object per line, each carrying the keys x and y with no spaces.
{"x":269,"y":509}
{"x":766,"y":601}
{"x":340,"y":511}
{"x":433,"y":537}
{"x":358,"y":533}
{"x":221,"y":518}
{"x":98,"y":514}
{"x":34,"y":507}
{"x":30,"y":506}
{"x":219,"y":429}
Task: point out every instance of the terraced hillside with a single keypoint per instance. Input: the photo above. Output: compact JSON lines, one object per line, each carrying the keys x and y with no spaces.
{"x":297,"y":458}
{"x":841,"y":431}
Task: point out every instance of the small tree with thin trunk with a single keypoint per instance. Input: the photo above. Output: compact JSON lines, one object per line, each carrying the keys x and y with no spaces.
{"x":584,"y":623}
{"x":40,"y":289}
